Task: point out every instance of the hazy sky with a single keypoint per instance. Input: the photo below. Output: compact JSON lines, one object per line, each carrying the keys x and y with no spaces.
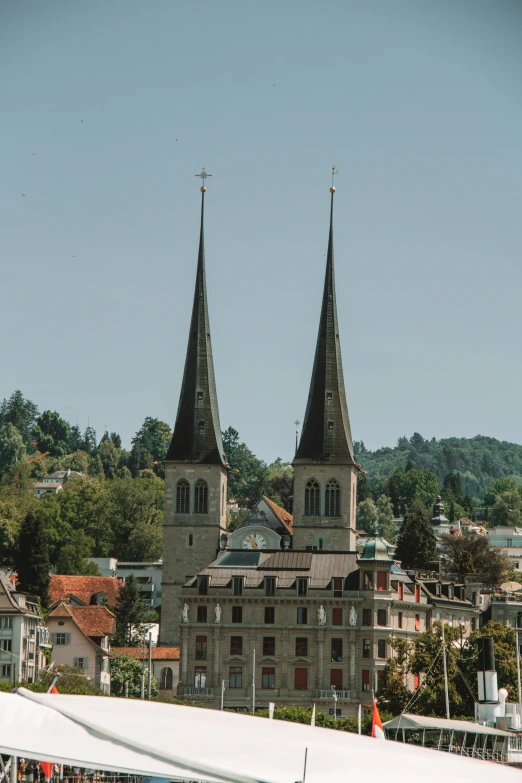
{"x":108,"y":109}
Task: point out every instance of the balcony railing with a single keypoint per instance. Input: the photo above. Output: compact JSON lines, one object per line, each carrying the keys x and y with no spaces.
{"x":341,"y":695}
{"x":189,"y":691}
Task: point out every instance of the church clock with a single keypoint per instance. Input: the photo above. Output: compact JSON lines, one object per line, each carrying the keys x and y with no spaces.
{"x":254,"y":541}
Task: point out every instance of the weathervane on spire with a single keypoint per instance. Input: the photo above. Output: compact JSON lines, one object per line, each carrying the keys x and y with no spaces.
{"x":203,"y":175}
{"x":334,"y":172}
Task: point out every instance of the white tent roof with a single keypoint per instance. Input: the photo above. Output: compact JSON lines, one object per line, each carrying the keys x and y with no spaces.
{"x":422,"y":722}
{"x":159,"y":739}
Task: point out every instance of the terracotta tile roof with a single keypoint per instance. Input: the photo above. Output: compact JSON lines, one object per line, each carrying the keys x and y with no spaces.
{"x":83,"y":588}
{"x":283,"y":516}
{"x":158,"y":653}
{"x":94,"y":621}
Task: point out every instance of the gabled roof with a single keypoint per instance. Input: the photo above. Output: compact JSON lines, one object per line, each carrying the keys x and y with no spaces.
{"x":83,"y":588}
{"x":283,"y":516}
{"x":93,"y":621}
{"x":158,"y":653}
{"x":8,"y":602}
{"x":326,"y":435}
{"x":197,"y":431}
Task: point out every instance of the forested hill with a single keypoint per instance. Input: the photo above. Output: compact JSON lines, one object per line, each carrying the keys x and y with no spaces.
{"x":479,"y":460}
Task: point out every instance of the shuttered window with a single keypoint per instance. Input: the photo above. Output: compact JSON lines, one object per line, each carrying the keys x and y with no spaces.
{"x":336,"y":679}
{"x":301,"y":679}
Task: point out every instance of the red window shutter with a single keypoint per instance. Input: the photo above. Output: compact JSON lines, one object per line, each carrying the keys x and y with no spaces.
{"x":415,"y":681}
{"x":417,"y":622}
{"x":301,"y":679}
{"x":381,"y":580}
{"x":337,"y":616}
{"x":417,"y":594}
{"x":336,"y":678}
{"x":400,"y":591}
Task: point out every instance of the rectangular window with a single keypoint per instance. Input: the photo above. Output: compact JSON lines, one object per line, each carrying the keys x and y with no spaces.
{"x":337,"y":616}
{"x":365,"y":679}
{"x":237,"y":614}
{"x":268,"y":645}
{"x":417,"y":594}
{"x":201,"y":648}
{"x":203,"y":585}
{"x":270,"y":585}
{"x":302,"y":585}
{"x":399,"y":620}
{"x":400,"y":591}
{"x":417,"y":622}
{"x":382,"y":580}
{"x":302,"y":615}
{"x":338,"y":587}
{"x":450,"y":619}
{"x":473,"y":624}
{"x":368,"y":580}
{"x":8,"y":622}
{"x":437,"y":615}
{"x":382,"y":617}
{"x":269,"y":615}
{"x":301,"y":646}
{"x":202,"y":614}
{"x":80,"y":663}
{"x":267,"y":678}
{"x":415,"y":681}
{"x":6,"y":670}
{"x":336,"y":679}
{"x":367,"y":617}
{"x":301,"y":679}
{"x":191,"y":539}
{"x":60,"y":638}
{"x":200,"y":677}
{"x":235,"y":677}
{"x":236,"y":645}
{"x":237,"y":585}
{"x":366,"y":648}
{"x":337,"y":650}
{"x":7,"y":644}
{"x":381,"y":648}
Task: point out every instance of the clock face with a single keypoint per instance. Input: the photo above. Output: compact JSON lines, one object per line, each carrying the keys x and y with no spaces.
{"x":254,"y":541}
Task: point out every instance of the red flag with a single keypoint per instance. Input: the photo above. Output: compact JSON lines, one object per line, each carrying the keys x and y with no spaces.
{"x":377,"y":729}
{"x":47,"y":766}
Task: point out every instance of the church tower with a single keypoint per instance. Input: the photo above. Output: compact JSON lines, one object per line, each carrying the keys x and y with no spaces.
{"x":325,"y":472}
{"x":195,"y":465}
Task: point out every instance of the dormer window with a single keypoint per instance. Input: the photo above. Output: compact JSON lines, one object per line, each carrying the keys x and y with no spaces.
{"x":203,"y":585}
{"x":438,"y":589}
{"x":270,"y":585}
{"x":302,"y":585}
{"x":451,"y":591}
{"x":237,"y":585}
{"x":337,"y":587}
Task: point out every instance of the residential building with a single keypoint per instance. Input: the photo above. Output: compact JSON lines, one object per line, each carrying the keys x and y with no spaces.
{"x":149,"y":575}
{"x":53,"y":483}
{"x":83,"y":590}
{"x":165,"y":665}
{"x":23,"y":635}
{"x":81,"y":638}
{"x":450,"y":604}
{"x":509,"y":539}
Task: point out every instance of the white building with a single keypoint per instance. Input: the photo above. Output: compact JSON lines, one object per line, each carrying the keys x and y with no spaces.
{"x":149,"y":575}
{"x":509,"y":539}
{"x":23,"y":636}
{"x":53,"y":483}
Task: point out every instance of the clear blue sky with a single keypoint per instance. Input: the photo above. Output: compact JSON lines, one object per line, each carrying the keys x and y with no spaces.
{"x":108,"y":109}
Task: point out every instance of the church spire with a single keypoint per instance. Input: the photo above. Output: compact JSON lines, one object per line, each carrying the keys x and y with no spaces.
{"x":326,"y":434}
{"x":197,"y":432}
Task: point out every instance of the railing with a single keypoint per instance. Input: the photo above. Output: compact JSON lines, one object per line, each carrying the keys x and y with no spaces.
{"x":188,"y":691}
{"x":340,"y":695}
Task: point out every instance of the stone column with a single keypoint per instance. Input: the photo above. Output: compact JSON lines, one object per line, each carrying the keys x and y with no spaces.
{"x":320,"y":658}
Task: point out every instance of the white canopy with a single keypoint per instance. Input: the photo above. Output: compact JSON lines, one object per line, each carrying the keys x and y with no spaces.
{"x":177,"y":741}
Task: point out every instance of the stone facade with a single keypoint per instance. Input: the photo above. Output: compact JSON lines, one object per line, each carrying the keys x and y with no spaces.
{"x":190,"y":541}
{"x":325,"y":532}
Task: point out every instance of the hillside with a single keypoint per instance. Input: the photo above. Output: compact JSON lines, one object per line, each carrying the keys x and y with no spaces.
{"x":479,"y":460}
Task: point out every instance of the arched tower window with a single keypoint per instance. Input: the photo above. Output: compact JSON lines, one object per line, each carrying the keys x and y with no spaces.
{"x":332,"y":499}
{"x":166,"y":679}
{"x":201,"y":497}
{"x":182,"y":497}
{"x":312,"y":500}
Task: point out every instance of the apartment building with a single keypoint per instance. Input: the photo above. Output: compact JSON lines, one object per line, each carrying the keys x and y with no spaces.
{"x":23,"y":635}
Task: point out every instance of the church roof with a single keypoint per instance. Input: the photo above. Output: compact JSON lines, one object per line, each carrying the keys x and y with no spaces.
{"x":439,"y":517}
{"x":286,"y":519}
{"x":197,"y":432}
{"x":326,"y":434}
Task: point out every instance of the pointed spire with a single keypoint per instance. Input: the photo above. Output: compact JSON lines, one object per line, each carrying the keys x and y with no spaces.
{"x":326,"y":434}
{"x":197,"y":432}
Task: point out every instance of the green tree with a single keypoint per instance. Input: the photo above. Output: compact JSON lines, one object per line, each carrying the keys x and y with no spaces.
{"x":132,"y":615}
{"x":12,"y":448}
{"x":32,"y":557}
{"x":489,"y":563}
{"x":135,"y":511}
{"x":21,"y":413}
{"x":367,"y":516}
{"x":75,"y":439}
{"x":504,"y":641}
{"x":74,"y":556}
{"x":507,"y":509}
{"x":89,"y":441}
{"x":52,"y":433}
{"x":152,"y":439}
{"x":249,"y":477}
{"x":452,"y":488}
{"x":126,"y":677}
{"x":387,"y":528}
{"x":393,"y":695}
{"x":416,"y":545}
{"x":426,"y":658}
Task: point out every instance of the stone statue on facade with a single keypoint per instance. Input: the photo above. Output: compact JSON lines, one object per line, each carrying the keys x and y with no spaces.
{"x":185,"y":613}
{"x":352,"y":617}
{"x":321,"y":616}
{"x":217,"y":612}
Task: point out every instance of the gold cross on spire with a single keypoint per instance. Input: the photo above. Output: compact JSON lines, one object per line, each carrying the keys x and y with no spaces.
{"x":203,"y":175}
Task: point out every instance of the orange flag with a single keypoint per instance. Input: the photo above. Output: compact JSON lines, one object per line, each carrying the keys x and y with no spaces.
{"x":47,"y":766}
{"x":377,"y":729}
